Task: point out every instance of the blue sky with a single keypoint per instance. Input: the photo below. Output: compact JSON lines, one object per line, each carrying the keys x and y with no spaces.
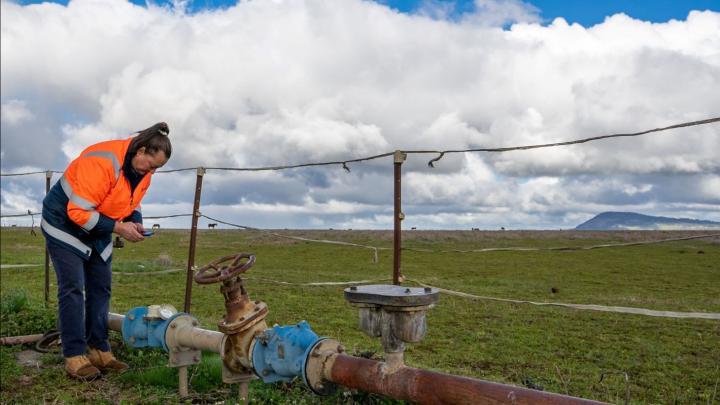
{"x":591,"y":12}
{"x":588,"y":12}
{"x":584,"y":12}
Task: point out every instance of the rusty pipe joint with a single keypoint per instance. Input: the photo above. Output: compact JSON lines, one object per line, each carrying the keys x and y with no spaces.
{"x":395,"y":314}
{"x":245,"y":319}
{"x":317,"y":373}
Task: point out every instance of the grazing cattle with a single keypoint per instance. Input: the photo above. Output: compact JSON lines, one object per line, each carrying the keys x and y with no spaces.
{"x":155,"y":226}
{"x":212,"y":226}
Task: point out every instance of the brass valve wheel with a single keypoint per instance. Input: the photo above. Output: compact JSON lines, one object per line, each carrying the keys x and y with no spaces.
{"x":225,"y":268}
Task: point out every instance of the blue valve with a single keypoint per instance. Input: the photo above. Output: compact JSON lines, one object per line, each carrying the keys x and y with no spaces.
{"x":280,"y":353}
{"x":139,"y":330}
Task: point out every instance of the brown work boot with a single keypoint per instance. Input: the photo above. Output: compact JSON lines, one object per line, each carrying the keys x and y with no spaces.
{"x":106,"y":361}
{"x":80,"y":367}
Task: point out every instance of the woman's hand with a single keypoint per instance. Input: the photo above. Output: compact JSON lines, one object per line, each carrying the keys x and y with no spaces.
{"x":129,"y":231}
{"x":140,"y":228}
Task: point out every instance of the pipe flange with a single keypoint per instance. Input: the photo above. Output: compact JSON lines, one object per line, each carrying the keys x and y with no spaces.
{"x":231,"y":377}
{"x":258,"y":313}
{"x":181,"y":356}
{"x":319,"y":359}
{"x":391,"y":295}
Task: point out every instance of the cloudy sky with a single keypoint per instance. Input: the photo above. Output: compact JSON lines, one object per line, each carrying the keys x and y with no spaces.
{"x":264,"y":83}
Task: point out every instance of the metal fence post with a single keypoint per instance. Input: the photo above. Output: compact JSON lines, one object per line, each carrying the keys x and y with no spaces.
{"x":48,"y":176}
{"x":193,"y":237}
{"x":398,"y":159}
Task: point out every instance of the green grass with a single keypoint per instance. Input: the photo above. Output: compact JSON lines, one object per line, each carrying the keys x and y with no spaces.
{"x":563,"y":350}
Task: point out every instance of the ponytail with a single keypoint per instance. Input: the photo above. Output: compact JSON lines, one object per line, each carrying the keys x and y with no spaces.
{"x":153,"y":139}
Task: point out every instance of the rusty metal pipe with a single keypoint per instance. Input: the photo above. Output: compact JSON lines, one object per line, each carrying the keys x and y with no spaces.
{"x":193,"y":239}
{"x":429,"y":387}
{"x":19,"y":340}
{"x":183,"y":382}
{"x":399,"y":157}
{"x":243,"y":393}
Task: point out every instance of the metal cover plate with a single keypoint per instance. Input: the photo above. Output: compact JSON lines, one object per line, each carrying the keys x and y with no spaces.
{"x":391,"y":295}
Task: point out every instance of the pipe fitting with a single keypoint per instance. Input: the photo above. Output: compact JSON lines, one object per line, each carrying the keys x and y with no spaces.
{"x":319,"y":365}
{"x":236,"y":351}
{"x":280,"y":353}
{"x":244,"y":318}
{"x":394,"y":313}
{"x":141,"y":328}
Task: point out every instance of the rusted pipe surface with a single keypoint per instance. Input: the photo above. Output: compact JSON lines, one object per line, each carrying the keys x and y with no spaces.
{"x":244,"y":318}
{"x":183,"y":382}
{"x":225,"y":268}
{"x":429,"y":387}
{"x":236,"y":350}
{"x":19,"y":340}
{"x":398,"y":216}
{"x":193,"y":239}
{"x":243,"y":393}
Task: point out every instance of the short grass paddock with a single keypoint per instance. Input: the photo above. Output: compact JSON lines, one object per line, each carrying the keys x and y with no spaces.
{"x":580,"y":353}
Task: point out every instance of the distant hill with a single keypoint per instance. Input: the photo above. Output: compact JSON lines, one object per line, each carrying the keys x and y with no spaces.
{"x":609,"y":221}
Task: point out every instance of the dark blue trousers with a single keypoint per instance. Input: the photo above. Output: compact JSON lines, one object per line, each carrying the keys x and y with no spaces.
{"x":83,"y":300}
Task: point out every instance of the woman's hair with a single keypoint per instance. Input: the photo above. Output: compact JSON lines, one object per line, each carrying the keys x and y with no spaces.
{"x":154,"y":139}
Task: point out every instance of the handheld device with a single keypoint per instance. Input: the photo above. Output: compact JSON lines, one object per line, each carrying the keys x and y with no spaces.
{"x":148,"y":233}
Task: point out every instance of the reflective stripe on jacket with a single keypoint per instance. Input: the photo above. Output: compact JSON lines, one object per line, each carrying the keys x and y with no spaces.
{"x":81,"y":209}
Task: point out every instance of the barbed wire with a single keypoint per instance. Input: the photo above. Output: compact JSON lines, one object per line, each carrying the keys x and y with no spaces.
{"x":272,"y":168}
{"x":565,"y":143}
{"x":28,"y":173}
{"x":167,"y":216}
{"x":151,"y":217}
{"x":441,"y":153}
{"x":331,"y":242}
{"x":20,"y":215}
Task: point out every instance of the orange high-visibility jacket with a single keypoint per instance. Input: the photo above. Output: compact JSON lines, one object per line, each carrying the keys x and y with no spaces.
{"x":81,"y":209}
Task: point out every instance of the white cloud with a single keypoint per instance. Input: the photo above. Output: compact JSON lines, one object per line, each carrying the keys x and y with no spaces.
{"x":271,"y":83}
{"x":710,"y":187}
{"x":15,"y":112}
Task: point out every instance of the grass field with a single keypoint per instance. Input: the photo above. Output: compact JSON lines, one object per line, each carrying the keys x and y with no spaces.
{"x":561,"y":350}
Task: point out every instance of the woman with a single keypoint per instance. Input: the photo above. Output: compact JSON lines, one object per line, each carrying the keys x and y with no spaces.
{"x":98,"y":195}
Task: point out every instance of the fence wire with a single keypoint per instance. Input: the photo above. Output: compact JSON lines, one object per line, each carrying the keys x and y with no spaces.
{"x":441,"y":153}
{"x":331,"y":242}
{"x":591,"y":307}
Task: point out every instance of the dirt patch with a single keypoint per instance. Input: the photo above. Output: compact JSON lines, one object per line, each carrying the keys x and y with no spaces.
{"x":28,"y":358}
